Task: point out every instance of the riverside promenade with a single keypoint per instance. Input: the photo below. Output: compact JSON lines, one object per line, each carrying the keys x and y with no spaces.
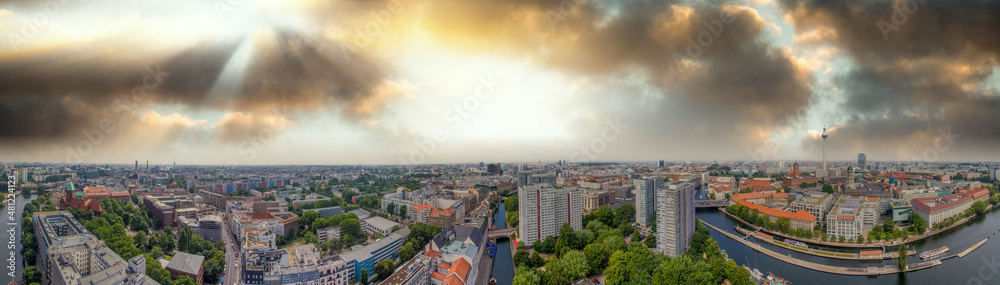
{"x":869,"y":271}
{"x":912,"y":238}
{"x":861,"y":256}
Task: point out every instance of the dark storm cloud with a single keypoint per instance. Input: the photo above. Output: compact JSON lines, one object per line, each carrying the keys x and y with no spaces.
{"x":918,"y":66}
{"x":55,"y":93}
{"x":715,"y":58}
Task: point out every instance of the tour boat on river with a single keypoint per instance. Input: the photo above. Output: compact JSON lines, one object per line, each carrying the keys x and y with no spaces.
{"x":933,"y":253}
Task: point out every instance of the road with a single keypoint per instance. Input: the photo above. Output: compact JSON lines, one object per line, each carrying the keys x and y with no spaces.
{"x":232,"y":257}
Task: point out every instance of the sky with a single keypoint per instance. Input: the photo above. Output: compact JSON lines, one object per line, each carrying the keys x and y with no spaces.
{"x":444,"y":81}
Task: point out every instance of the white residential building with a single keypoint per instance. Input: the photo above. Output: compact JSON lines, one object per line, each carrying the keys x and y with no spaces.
{"x":675,"y":221}
{"x":817,"y":204}
{"x":544,"y":209}
{"x":852,"y":216}
{"x":645,"y":199}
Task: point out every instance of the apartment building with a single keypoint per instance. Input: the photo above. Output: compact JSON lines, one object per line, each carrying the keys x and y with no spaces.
{"x":937,"y":209}
{"x":645,"y":199}
{"x":593,"y":199}
{"x":817,"y":204}
{"x":69,"y":254}
{"x":420,"y":213}
{"x":675,"y":221}
{"x":852,"y":216}
{"x":543,"y":209}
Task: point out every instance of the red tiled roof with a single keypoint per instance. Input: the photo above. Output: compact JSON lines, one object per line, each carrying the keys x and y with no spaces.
{"x":976,"y":192}
{"x":262,"y":216}
{"x":800,"y":215}
{"x":432,"y":254}
{"x":458,"y":273}
{"x":81,"y":204}
{"x":440,"y":213}
{"x":749,"y":196}
{"x":954,"y":199}
{"x":437,"y":276}
{"x":871,"y":252}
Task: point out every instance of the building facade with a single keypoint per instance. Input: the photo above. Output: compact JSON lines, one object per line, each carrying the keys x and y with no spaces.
{"x":937,"y":209}
{"x":852,"y":217}
{"x":543,"y":209}
{"x":675,"y":221}
{"x":645,"y":199}
{"x":817,"y":204}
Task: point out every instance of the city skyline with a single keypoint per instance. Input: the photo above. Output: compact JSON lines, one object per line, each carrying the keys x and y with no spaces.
{"x":413,"y":82}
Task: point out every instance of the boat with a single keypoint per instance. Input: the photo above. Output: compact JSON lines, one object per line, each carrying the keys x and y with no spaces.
{"x":493,"y":280}
{"x":752,"y":275}
{"x":756,"y":274}
{"x":775,"y":280}
{"x":933,"y":253}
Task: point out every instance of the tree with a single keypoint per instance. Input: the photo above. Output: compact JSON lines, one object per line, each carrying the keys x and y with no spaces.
{"x":918,"y":223}
{"x":31,"y":275}
{"x":308,"y":217}
{"x":185,"y":280}
{"x":391,"y":208}
{"x":575,"y":265}
{"x":214,"y":267}
{"x":402,"y":211}
{"x":623,"y":214}
{"x":536,"y":260}
{"x":545,"y":246}
{"x":156,"y":252}
{"x":351,"y":227}
{"x":364,"y":277}
{"x":737,"y":275}
{"x":384,"y":268}
{"x":407,"y":252}
{"x":141,"y":241}
{"x":510,"y":203}
{"x":184,"y":240}
{"x":526,"y":276}
{"x":521,"y":258}
{"x":650,"y":241}
{"x":633,"y":265}
{"x":139,"y":224}
{"x":166,"y":241}
{"x":684,"y":270}
{"x":902,"y":257}
{"x":827,"y":188}
{"x":979,"y":207}
{"x":566,"y":239}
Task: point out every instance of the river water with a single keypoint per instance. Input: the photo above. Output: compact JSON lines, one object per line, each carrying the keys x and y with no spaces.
{"x":503,"y":264}
{"x":979,"y":267}
{"x":20,"y":201}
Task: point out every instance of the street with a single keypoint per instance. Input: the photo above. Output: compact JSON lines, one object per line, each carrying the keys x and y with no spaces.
{"x":232,"y":275}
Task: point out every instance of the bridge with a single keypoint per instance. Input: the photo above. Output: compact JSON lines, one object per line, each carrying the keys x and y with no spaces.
{"x":711,"y":203}
{"x":506,"y":232}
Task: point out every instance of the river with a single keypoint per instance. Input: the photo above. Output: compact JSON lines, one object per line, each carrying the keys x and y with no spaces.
{"x":979,"y":267}
{"x":19,"y":201}
{"x":503,"y":264}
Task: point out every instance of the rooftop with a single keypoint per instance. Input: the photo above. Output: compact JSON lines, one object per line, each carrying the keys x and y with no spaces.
{"x":187,"y":263}
{"x":381,"y":223}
